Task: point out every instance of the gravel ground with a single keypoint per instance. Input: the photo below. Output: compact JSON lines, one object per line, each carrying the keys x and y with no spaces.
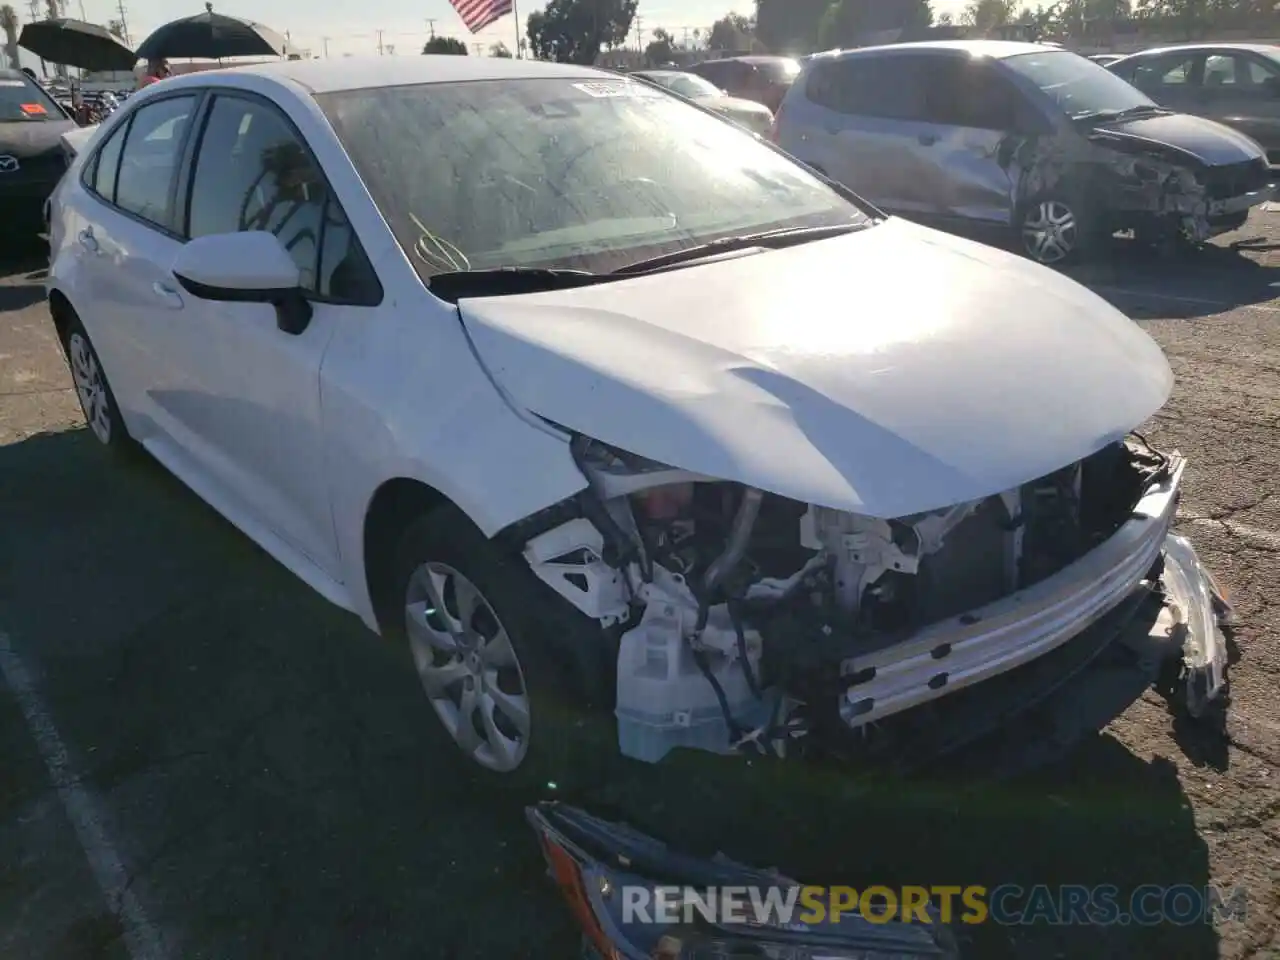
{"x":245,"y":772}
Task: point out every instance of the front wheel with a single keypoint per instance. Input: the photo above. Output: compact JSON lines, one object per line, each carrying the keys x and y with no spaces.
{"x":487,"y":643}
{"x":1052,"y":231}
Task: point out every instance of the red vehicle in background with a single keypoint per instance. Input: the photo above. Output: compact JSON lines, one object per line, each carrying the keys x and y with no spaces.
{"x":762,"y":79}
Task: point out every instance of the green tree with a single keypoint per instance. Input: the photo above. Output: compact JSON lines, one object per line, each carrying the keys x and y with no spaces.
{"x":789,"y":26}
{"x":985,"y":15}
{"x":731,"y":32}
{"x":844,"y":21}
{"x":573,"y":31}
{"x":446,"y":45}
{"x":499,"y":50}
{"x":660,"y":49}
{"x":9,"y":24}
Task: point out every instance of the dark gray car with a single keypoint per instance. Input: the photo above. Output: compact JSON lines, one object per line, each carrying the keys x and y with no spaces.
{"x":1018,"y":136}
{"x":1235,"y":83}
{"x":31,"y":156}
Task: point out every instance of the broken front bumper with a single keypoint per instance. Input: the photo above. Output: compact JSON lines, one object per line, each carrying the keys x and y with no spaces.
{"x":1242,"y":203}
{"x":957,"y":653}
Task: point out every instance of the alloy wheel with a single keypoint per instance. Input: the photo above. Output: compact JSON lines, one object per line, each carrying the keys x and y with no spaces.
{"x":1050,"y":232}
{"x":91,"y":387}
{"x":468,"y":666}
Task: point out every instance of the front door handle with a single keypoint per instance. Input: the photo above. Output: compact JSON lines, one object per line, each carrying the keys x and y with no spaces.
{"x":169,"y":296}
{"x":928,"y":139}
{"x":88,"y":241}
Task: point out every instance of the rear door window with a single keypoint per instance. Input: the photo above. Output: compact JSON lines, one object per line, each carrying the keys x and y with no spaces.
{"x":149,"y":162}
{"x":101,"y":176}
{"x":883,"y":87}
{"x":1238,"y":73}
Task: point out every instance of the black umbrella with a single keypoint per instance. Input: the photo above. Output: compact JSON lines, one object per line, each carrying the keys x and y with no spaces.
{"x":211,"y":36}
{"x":77,"y":44}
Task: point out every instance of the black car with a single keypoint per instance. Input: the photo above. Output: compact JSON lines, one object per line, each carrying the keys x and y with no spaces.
{"x":32,"y":159}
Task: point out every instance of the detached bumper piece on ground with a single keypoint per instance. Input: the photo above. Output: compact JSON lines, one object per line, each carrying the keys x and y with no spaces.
{"x":599,"y":866}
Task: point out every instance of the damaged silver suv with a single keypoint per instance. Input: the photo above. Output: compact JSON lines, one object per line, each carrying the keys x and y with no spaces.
{"x":1021,"y":137}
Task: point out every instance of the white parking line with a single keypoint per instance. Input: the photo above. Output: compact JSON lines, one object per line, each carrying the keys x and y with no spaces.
{"x":1220,"y":305}
{"x":141,"y":937}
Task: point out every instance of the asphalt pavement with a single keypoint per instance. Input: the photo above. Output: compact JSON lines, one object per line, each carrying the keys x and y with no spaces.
{"x":203,"y":759}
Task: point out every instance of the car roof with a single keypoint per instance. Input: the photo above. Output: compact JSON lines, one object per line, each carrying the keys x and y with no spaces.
{"x":1269,"y":49}
{"x":746,"y":58}
{"x":996,"y":49}
{"x":362,"y":73}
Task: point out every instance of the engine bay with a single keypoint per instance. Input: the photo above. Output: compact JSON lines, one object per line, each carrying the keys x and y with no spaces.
{"x":740,"y":618}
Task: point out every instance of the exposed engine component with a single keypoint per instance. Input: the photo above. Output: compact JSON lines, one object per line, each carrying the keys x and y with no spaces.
{"x":749,"y":620}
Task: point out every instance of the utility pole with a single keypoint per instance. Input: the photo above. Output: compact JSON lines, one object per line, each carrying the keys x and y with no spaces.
{"x":431,"y":25}
{"x":124,"y":23}
{"x":639,"y":34}
{"x":686,"y":38}
{"x":325,"y":41}
{"x":379,"y":43}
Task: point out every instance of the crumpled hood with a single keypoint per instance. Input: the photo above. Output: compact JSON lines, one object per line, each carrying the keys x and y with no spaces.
{"x":1209,"y":142}
{"x":887,"y":372}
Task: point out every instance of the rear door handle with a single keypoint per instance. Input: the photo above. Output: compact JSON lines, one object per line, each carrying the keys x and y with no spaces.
{"x":88,"y":241}
{"x":928,"y":139}
{"x":169,"y":296}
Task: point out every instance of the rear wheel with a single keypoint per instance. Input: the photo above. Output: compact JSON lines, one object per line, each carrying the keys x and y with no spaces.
{"x":97,"y":402}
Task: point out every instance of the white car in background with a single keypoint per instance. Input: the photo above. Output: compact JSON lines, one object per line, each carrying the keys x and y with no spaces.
{"x":597,"y":399}
{"x":756,"y":117}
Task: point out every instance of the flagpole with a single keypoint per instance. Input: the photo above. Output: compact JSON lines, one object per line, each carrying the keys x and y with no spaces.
{"x":515,"y":13}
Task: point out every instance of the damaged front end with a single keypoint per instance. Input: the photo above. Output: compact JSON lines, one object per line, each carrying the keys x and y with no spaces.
{"x":1160,"y":189}
{"x":742,"y":621}
{"x":635,"y":899}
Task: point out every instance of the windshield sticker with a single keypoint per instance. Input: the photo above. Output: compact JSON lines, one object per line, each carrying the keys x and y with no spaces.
{"x":32,"y":109}
{"x":623,"y":88}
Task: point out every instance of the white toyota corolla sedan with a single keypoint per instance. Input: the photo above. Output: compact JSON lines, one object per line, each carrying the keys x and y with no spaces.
{"x":598,"y":400}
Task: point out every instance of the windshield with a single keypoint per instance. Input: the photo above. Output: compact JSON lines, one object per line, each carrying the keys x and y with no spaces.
{"x":22,"y":100}
{"x":1080,"y":87}
{"x":566,"y":174}
{"x":689,"y":85}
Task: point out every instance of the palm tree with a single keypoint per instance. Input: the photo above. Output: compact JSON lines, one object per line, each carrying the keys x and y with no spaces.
{"x":9,"y":24}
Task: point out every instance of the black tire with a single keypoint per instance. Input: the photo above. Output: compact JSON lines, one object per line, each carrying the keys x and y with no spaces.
{"x":97,"y":401}
{"x":571,"y":745}
{"x":1059,"y":244}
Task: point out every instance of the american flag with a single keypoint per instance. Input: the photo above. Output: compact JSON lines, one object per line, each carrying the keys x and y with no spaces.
{"x":478,"y":14}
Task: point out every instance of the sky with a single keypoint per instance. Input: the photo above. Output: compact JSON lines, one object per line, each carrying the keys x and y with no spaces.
{"x":352,"y":30}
